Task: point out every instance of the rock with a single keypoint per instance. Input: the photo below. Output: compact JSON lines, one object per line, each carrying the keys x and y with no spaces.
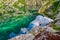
{"x":12,"y":34}
{"x":39,"y":21}
{"x":23,"y":31}
{"x":24,"y":37}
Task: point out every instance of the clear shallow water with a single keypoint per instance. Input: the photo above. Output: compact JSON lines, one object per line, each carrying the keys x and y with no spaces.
{"x":39,"y":21}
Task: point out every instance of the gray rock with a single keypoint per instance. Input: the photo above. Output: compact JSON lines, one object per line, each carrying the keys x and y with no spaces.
{"x":39,"y":21}
{"x":24,"y":37}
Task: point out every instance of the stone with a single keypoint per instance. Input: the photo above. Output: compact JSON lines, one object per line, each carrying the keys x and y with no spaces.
{"x":23,"y":31}
{"x":39,"y":21}
{"x":24,"y":37}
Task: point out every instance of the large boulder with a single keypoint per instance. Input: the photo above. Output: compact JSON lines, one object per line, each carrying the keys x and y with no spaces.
{"x":39,"y":21}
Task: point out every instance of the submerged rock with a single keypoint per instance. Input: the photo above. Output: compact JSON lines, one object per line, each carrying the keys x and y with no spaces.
{"x":12,"y":34}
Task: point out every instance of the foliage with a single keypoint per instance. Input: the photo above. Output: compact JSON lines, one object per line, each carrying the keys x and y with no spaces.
{"x":50,"y":8}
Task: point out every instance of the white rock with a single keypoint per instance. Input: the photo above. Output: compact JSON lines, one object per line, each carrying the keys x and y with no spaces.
{"x":40,"y":21}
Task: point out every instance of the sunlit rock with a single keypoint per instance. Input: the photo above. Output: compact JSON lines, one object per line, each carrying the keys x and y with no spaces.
{"x":39,"y":21}
{"x":24,"y":37}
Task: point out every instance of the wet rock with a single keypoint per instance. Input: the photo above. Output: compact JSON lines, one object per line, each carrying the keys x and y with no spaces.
{"x":12,"y":34}
{"x":23,"y":31}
